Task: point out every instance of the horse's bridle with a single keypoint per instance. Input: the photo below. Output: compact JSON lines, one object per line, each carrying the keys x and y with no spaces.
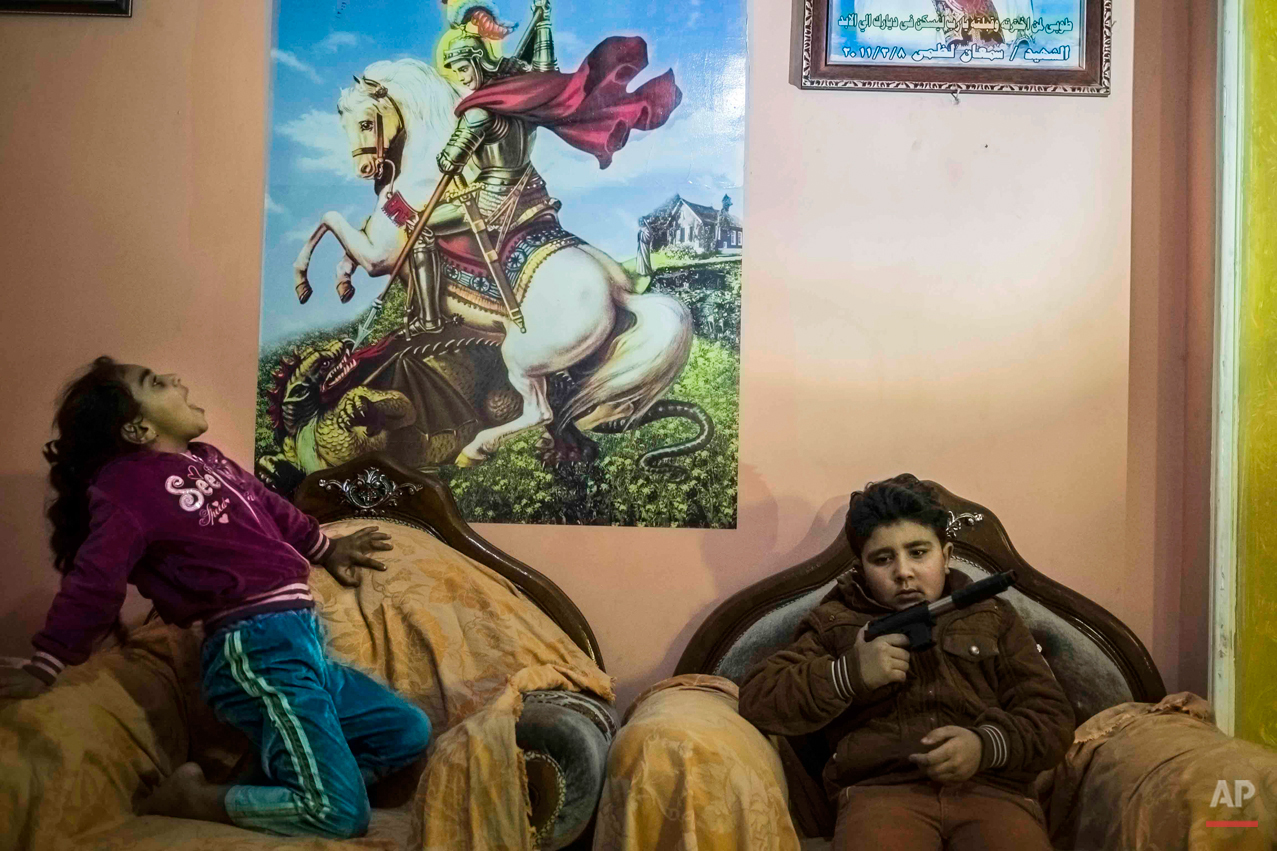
{"x":379,"y":152}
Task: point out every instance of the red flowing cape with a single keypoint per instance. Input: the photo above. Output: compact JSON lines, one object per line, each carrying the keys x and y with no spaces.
{"x":590,"y":109}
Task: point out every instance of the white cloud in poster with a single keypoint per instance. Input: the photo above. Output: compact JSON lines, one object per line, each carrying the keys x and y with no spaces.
{"x":301,"y":233}
{"x":701,"y":149}
{"x":290,"y":60}
{"x":335,"y":41}
{"x":694,"y":18}
{"x":324,"y":141}
{"x":273,"y":207}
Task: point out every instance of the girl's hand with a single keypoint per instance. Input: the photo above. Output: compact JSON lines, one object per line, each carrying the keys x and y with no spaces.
{"x":19,"y":684}
{"x":883,"y":660}
{"x":954,"y":756}
{"x":354,"y":551}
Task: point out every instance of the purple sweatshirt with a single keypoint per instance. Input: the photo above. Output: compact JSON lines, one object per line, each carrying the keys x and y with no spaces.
{"x":198,"y":535}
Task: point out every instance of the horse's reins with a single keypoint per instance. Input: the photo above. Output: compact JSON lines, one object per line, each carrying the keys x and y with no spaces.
{"x":379,"y":152}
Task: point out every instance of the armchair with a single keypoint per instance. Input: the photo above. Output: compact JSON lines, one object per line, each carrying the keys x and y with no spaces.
{"x":1098,"y":661}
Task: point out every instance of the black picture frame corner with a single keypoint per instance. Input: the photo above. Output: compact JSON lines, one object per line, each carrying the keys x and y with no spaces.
{"x":95,"y":8}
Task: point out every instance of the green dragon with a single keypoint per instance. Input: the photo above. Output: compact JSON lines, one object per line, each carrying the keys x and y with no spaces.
{"x":331,"y":403}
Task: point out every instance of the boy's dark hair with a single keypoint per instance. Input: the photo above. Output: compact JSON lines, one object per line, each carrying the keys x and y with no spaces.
{"x":901,"y":497}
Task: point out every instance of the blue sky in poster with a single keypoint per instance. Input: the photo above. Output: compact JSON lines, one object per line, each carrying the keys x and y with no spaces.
{"x":699,"y":153}
{"x":868,"y":35}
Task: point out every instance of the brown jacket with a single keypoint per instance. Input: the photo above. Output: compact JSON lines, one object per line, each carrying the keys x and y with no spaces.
{"x":984,"y":673}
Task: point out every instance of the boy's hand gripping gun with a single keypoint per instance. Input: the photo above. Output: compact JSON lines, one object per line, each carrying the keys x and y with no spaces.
{"x":915,"y":622}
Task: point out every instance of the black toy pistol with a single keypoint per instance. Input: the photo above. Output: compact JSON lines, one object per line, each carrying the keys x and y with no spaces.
{"x":915,"y":622}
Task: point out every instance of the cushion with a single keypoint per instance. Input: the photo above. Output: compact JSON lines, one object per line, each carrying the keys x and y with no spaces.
{"x":1142,"y":775}
{"x":686,"y":771}
{"x":437,"y":626}
{"x":76,"y":756}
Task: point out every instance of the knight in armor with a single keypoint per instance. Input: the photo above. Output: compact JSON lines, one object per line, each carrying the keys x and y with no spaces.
{"x":507,"y":99}
{"x":510,"y":191}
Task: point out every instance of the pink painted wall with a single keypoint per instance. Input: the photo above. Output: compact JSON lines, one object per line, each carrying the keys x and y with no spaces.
{"x":931,"y":286}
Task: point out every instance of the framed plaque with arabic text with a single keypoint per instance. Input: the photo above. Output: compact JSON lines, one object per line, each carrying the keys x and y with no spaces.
{"x":993,"y":46}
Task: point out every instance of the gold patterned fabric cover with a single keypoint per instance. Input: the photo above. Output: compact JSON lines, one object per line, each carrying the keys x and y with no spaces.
{"x":687,"y":773}
{"x":1144,"y":775}
{"x":450,"y":634}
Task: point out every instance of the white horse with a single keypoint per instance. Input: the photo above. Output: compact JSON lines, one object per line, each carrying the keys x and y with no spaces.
{"x":573,"y":305}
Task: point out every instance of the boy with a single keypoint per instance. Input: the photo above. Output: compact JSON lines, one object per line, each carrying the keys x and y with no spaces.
{"x":931,"y":749}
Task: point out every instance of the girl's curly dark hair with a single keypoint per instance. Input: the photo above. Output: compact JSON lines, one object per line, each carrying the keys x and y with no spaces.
{"x":901,"y":497}
{"x":92,"y":410}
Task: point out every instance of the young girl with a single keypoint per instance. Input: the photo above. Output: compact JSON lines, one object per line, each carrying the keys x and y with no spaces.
{"x":137,"y":500}
{"x":937,"y":748}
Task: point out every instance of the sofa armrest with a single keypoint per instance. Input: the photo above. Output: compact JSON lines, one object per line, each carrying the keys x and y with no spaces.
{"x":686,"y":770}
{"x":1145,"y":775}
{"x":78,"y":756}
{"x":565,"y":737}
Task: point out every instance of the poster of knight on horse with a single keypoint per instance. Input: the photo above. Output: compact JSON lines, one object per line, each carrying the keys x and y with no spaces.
{"x":503,"y":244}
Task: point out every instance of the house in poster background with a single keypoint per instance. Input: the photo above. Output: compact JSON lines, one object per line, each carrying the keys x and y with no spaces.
{"x":679,"y":223}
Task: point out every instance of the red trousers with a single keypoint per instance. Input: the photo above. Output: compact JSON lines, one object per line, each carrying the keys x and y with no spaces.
{"x":929,"y":817}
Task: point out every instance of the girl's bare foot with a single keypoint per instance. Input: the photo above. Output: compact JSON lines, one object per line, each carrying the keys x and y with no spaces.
{"x":187,"y":794}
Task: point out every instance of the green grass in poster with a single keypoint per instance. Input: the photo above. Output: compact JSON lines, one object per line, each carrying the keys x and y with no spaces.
{"x":697,"y":490}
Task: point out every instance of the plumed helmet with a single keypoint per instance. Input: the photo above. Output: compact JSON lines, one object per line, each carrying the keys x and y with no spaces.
{"x":478,"y":17}
{"x":467,"y":46}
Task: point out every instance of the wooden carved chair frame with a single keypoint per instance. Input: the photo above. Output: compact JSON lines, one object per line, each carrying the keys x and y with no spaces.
{"x":375,"y":486}
{"x":979,"y":537}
